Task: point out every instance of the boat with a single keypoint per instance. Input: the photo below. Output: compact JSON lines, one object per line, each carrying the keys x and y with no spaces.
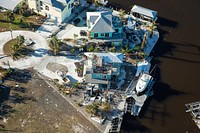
{"x":143,"y":82}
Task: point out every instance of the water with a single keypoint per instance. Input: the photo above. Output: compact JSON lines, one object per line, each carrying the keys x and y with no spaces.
{"x":178,"y":56}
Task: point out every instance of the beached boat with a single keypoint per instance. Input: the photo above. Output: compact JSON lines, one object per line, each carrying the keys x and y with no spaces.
{"x":143,"y":82}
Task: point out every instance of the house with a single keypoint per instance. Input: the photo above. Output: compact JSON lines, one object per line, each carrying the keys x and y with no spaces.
{"x":103,"y":25}
{"x":139,"y":12}
{"x":101,"y":68}
{"x":57,"y":10}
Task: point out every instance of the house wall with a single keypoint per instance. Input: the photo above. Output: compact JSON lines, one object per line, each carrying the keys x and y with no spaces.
{"x":119,"y":29}
{"x":99,"y":35}
{"x":68,"y":10}
{"x":32,"y":4}
{"x":101,"y":76}
{"x":118,"y":66}
{"x":53,"y":13}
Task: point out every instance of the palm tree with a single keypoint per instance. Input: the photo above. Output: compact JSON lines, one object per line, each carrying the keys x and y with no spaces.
{"x":151,"y":28}
{"x":20,"y":39}
{"x":55,"y":45}
{"x":144,"y":41}
{"x":121,"y":14}
{"x":92,"y":109}
{"x":105,"y":106}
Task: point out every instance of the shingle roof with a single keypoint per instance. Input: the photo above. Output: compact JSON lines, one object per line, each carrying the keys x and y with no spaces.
{"x":101,"y":21}
{"x":93,"y":18}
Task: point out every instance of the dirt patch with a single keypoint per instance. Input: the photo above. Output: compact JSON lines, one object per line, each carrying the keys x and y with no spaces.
{"x":7,"y":47}
{"x":55,"y":66}
{"x":34,"y":106}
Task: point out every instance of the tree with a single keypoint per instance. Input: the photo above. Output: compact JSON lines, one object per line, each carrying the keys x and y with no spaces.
{"x":121,"y":14}
{"x":92,"y":108}
{"x":144,"y":41}
{"x":54,"y":44}
{"x":151,"y":28}
{"x":105,"y":106}
{"x":20,"y":39}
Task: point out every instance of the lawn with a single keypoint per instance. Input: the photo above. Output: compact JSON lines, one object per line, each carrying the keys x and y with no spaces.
{"x":29,"y":23}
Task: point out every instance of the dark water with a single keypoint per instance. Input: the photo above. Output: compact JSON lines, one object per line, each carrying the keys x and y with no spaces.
{"x":178,"y":56}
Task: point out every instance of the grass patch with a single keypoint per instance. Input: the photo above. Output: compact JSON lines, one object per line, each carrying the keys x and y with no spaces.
{"x":7,"y":47}
{"x":28,"y":23}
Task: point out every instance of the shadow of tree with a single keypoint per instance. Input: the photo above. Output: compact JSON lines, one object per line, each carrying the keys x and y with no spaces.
{"x":21,"y":76}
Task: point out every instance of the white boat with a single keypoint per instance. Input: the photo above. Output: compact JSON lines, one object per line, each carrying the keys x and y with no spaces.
{"x":143,"y":82}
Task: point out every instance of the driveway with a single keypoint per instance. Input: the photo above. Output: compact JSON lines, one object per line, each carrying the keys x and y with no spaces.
{"x":40,"y":47}
{"x":48,"y":28}
{"x":40,"y":58}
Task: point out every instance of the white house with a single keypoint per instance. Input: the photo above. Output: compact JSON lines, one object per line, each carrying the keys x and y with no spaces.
{"x":54,"y":9}
{"x":143,"y":13}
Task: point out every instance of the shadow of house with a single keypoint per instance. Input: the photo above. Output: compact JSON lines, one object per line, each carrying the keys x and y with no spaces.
{"x":162,"y":47}
{"x":162,"y":91}
{"x":132,"y":124}
{"x":166,"y":22}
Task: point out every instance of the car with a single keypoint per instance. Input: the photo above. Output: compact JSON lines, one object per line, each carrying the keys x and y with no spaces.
{"x":76,"y":21}
{"x":83,"y":33}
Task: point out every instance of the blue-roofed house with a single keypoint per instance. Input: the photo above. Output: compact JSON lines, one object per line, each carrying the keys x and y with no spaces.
{"x":57,"y":10}
{"x":103,"y":25}
{"x":101,"y":68}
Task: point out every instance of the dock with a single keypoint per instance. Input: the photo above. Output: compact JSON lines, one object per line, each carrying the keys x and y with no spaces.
{"x":194,"y":109}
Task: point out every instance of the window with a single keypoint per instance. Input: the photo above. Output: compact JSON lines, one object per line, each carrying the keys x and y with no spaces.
{"x":41,"y":4}
{"x":69,"y":6}
{"x":102,"y":34}
{"x":107,"y":35}
{"x":95,"y":34}
{"x":117,"y":30}
{"x":47,"y":8}
{"x":72,"y":5}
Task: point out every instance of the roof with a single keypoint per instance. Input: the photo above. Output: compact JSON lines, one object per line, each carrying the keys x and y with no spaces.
{"x":60,"y":4}
{"x":108,"y":57}
{"x":9,"y":4}
{"x":64,"y":1}
{"x":144,"y":11}
{"x":100,"y":21}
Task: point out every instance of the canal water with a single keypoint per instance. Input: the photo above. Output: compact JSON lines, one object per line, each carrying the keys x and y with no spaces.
{"x":177,"y":54}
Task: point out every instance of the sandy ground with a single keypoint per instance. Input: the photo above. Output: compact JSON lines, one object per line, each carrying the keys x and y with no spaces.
{"x":33,"y":106}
